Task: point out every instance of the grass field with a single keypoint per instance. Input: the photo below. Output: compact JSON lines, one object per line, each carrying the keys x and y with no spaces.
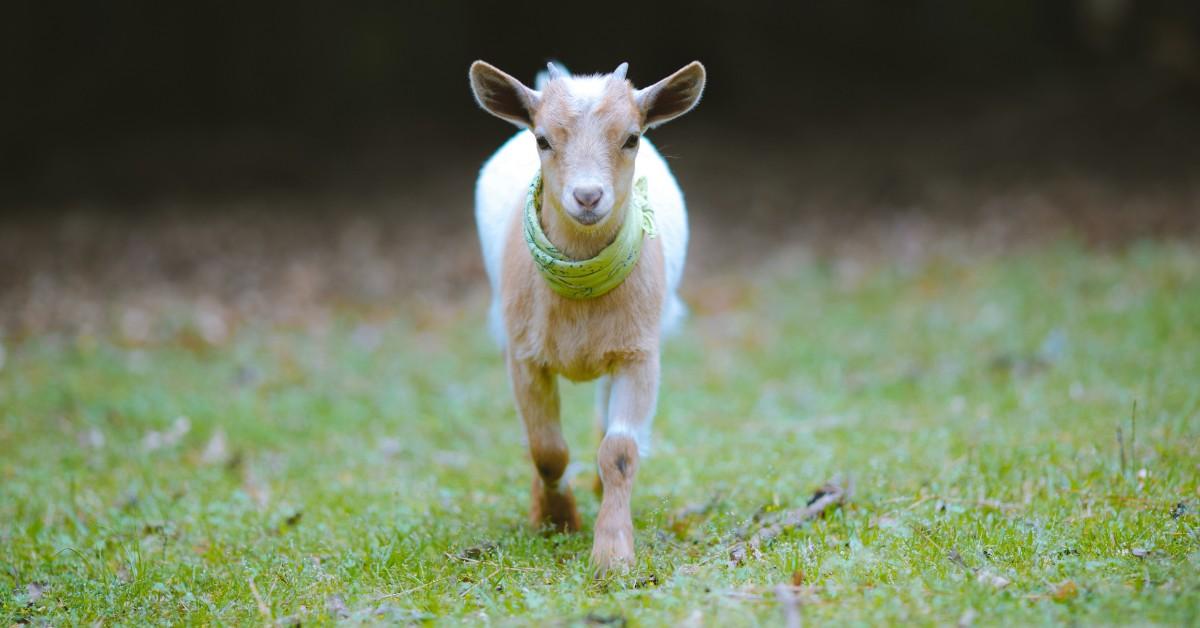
{"x":368,"y":464}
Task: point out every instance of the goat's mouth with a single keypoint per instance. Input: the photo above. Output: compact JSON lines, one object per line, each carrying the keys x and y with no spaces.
{"x":588,"y":218}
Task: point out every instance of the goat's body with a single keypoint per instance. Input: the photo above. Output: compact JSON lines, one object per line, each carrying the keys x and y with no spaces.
{"x":588,"y":140}
{"x":500,"y":198}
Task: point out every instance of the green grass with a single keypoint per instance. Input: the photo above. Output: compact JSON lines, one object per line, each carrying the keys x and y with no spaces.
{"x":375,"y":470}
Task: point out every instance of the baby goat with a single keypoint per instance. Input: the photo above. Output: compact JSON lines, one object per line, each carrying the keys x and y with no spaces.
{"x":584,"y":234}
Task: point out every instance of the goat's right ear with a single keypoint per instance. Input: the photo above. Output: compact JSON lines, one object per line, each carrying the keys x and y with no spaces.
{"x":671,"y":97}
{"x":502,"y":95}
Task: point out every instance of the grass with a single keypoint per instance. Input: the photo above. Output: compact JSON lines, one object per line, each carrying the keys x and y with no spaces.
{"x":370,"y":465}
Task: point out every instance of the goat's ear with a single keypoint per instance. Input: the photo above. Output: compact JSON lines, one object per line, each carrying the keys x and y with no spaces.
{"x":502,"y":95}
{"x":671,"y":97}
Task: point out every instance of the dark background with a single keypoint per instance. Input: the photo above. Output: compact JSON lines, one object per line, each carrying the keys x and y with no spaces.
{"x":122,"y":105}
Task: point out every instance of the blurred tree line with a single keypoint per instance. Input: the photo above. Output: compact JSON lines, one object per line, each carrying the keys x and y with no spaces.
{"x":84,"y":78}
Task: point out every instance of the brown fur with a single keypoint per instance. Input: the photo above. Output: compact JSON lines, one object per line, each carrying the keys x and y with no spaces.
{"x":580,"y":339}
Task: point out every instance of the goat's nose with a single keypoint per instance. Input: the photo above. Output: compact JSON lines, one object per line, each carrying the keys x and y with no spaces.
{"x":588,"y":195}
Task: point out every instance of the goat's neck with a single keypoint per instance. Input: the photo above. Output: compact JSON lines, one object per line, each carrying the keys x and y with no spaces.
{"x":576,"y":240}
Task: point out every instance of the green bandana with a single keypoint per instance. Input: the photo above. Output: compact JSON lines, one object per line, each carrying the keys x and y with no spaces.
{"x":589,"y":278}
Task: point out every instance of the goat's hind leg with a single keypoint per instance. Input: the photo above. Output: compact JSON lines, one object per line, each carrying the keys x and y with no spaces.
{"x":536,"y":392}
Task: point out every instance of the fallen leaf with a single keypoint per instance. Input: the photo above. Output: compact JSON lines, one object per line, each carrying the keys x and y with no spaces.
{"x":648,"y":581}
{"x":289,"y":522}
{"x":797,"y":578}
{"x":1064,"y":591}
{"x":475,"y":552}
{"x":1139,"y":552}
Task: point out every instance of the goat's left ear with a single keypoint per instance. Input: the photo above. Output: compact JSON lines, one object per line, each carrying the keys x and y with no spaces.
{"x":671,"y":97}
{"x":502,"y":95}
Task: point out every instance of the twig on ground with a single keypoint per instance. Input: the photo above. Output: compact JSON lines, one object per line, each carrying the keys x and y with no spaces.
{"x":697,"y":509}
{"x":790,"y":604}
{"x":1121,"y":447}
{"x":828,"y":496}
{"x":1149,"y":501}
{"x":482,"y":580}
{"x":412,"y":590}
{"x":1133,"y":432}
{"x":983,"y":575}
{"x":263,"y":609}
{"x":805,"y":595}
{"x":994,"y":504}
{"x":475,"y":561}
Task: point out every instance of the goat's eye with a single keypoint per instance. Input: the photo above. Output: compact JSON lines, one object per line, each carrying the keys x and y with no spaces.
{"x":632,"y":142}
{"x":542,"y":143}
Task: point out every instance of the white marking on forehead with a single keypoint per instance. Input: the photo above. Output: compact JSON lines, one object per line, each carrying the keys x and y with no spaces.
{"x":586,"y":91}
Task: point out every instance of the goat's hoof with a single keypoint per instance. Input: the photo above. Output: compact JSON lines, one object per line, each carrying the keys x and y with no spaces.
{"x":612,"y":551}
{"x":554,"y":512}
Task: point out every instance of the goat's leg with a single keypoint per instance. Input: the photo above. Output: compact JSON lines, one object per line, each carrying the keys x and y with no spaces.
{"x":631,"y":408}
{"x":536,"y":391}
{"x":603,"y":394}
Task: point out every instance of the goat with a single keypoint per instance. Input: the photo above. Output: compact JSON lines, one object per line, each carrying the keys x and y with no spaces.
{"x":579,"y":289}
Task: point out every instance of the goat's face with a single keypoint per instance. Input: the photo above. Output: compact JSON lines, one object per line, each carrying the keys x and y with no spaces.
{"x":588,"y":129}
{"x":587,"y":132}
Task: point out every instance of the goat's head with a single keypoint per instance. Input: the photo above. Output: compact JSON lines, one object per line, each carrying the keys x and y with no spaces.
{"x":587,"y":128}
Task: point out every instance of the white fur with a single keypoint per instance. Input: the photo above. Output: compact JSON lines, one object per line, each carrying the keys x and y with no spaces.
{"x":586,"y":91}
{"x":621,"y":395}
{"x":500,"y":197}
{"x":607,"y":389}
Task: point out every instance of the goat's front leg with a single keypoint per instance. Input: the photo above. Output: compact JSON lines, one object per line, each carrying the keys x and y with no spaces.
{"x":630,"y":410}
{"x":536,"y":391}
{"x":603,"y":394}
